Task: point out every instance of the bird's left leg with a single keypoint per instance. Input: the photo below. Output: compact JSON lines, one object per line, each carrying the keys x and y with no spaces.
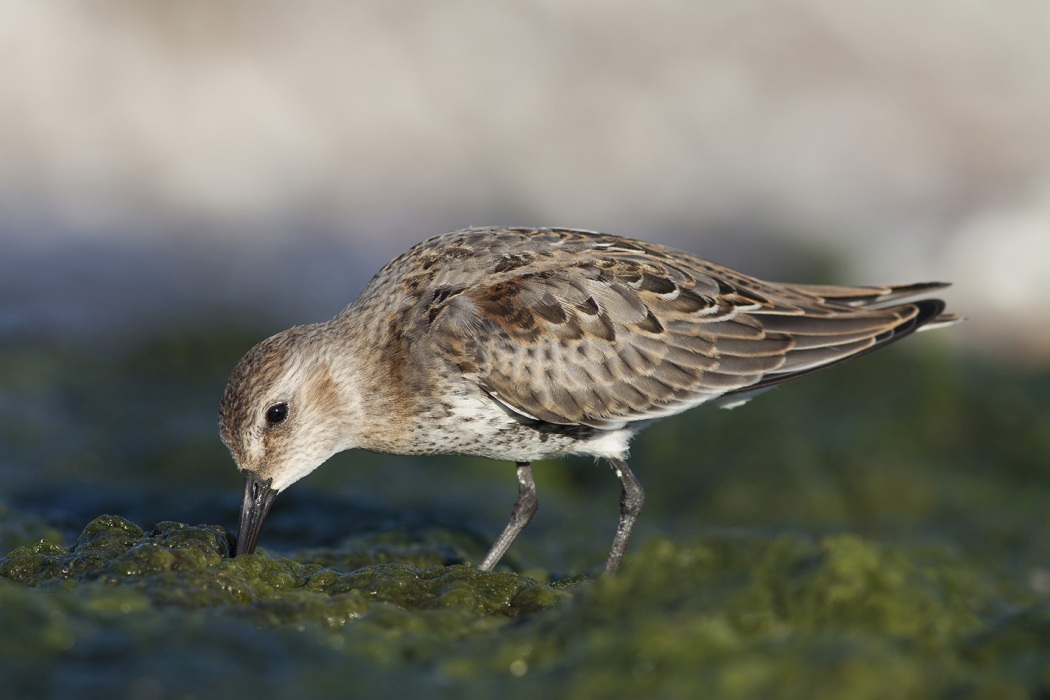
{"x":524,"y":508}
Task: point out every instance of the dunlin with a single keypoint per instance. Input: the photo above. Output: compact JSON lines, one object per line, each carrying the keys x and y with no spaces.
{"x":524,"y":344}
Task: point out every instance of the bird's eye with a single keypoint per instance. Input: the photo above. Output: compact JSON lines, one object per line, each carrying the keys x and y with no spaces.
{"x":277,"y":413}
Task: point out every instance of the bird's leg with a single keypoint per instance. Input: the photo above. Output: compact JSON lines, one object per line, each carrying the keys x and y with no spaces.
{"x":631,"y":501}
{"x":524,"y":508}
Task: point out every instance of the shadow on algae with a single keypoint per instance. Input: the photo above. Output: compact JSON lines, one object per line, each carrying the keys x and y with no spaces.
{"x":940,"y":589}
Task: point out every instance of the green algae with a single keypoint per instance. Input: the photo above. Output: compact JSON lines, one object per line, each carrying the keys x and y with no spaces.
{"x":810,"y":545}
{"x":745,"y":616}
{"x":735,"y":612}
{"x":18,"y":530}
{"x":190,"y":567}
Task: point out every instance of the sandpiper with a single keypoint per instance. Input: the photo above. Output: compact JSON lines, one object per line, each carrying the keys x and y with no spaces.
{"x":522,"y":344}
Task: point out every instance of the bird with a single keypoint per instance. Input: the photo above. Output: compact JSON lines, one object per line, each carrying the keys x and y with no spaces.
{"x":523,"y":344}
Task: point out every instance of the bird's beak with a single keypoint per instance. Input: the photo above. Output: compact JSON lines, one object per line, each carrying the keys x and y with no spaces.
{"x":258,"y":497}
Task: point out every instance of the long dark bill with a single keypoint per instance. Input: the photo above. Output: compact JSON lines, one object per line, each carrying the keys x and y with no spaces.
{"x":258,"y":497}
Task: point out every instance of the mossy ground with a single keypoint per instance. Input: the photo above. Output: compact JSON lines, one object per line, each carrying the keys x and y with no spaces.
{"x":876,"y":532}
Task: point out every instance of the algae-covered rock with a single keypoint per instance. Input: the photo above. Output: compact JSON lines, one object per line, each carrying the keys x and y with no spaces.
{"x":741,"y":615}
{"x":18,"y":530}
{"x":736,"y":613}
{"x":190,"y":567}
{"x":894,"y":547}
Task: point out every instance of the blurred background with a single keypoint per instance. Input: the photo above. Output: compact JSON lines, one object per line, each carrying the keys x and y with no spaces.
{"x":162,"y":159}
{"x":180,"y":179}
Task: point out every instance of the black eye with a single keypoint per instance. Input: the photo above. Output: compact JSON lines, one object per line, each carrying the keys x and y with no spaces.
{"x":277,"y":413}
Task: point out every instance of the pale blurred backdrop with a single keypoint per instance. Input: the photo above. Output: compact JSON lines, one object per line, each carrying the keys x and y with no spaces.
{"x":162,"y":160}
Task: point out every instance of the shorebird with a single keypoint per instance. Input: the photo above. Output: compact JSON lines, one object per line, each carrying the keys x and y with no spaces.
{"x":522,"y":344}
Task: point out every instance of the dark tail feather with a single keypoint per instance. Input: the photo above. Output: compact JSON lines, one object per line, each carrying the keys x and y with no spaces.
{"x":929,"y":313}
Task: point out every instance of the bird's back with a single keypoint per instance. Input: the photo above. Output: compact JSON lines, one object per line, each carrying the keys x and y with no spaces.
{"x":570,"y":327}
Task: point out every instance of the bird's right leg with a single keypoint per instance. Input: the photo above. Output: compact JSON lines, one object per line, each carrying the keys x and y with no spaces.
{"x":524,"y":508}
{"x":631,"y":500}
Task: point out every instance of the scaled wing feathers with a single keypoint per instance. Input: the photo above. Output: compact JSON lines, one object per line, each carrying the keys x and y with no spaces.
{"x":630,"y":331}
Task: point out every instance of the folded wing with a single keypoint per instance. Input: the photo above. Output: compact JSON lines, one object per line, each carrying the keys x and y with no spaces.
{"x":634,"y":333}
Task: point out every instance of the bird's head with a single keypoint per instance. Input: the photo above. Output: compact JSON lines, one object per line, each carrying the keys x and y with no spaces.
{"x":282,"y":415}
